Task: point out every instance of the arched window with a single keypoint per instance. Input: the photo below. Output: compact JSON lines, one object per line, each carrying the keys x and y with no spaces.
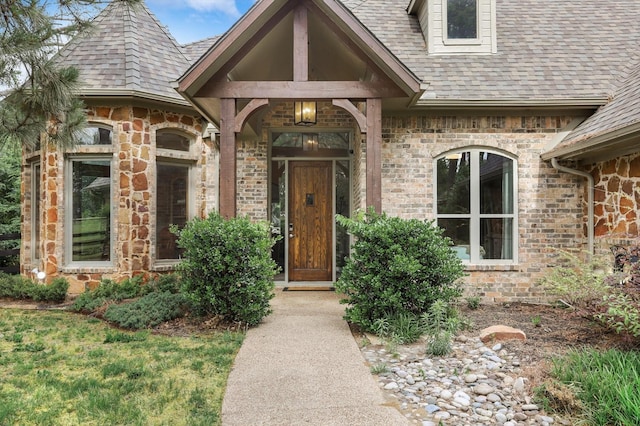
{"x":170,"y":139}
{"x":96,"y":135}
{"x":476,"y":204}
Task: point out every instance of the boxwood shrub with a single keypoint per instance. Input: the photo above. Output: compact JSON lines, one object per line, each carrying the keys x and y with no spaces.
{"x":20,"y":287}
{"x":227,"y":268}
{"x":396,"y":266}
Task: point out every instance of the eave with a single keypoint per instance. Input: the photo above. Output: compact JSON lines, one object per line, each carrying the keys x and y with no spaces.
{"x":571,"y":104}
{"x":617,"y":143}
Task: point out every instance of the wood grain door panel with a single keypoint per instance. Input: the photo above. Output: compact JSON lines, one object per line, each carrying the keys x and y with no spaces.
{"x":310,"y":216}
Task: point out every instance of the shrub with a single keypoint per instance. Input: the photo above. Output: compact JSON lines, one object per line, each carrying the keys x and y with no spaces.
{"x":579,"y":281}
{"x":401,"y":328}
{"x":19,"y":287}
{"x":15,"y":286}
{"x":164,"y":283}
{"x":622,"y":315}
{"x":148,"y":311}
{"x":396,"y":266}
{"x":108,"y":290}
{"x":441,"y":322}
{"x":227,"y":269}
{"x":54,"y":292}
{"x":585,"y":285}
{"x":473,"y":302}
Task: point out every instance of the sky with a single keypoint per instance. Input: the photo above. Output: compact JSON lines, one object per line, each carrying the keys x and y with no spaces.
{"x":192,"y":20}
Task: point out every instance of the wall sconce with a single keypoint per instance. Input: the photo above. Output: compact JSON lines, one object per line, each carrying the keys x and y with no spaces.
{"x":309,"y":141}
{"x":305,"y":113}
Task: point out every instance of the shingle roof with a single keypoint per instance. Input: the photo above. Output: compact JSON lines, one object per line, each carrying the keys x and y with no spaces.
{"x":623,"y":111}
{"x":127,"y":49}
{"x":193,"y":51}
{"x":547,"y":49}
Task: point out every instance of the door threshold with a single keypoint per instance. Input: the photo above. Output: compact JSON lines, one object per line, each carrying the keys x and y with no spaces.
{"x":306,"y":286}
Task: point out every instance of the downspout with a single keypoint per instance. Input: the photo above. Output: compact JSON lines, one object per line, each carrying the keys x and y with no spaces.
{"x":590,"y":198}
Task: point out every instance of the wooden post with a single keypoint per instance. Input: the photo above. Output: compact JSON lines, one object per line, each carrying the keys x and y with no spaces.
{"x":227,"y":158}
{"x":300,"y":44}
{"x":374,"y":154}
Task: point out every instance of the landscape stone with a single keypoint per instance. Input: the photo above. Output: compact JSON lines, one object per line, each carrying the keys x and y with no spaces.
{"x":501,"y":333}
{"x":483,"y":389}
{"x":446,"y":394}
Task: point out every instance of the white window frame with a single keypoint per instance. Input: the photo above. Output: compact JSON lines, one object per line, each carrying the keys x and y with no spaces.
{"x":68,"y":228}
{"x":474,"y":215}
{"x":459,"y":41}
{"x":432,"y":15}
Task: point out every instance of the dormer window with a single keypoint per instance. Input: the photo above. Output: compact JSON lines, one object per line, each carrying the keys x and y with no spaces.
{"x":457,"y":27}
{"x":462,"y":19}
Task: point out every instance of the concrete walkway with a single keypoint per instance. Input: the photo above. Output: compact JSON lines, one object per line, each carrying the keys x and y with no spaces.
{"x":301,"y":366}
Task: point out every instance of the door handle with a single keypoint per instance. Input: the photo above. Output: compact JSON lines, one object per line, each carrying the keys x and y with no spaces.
{"x":290,"y":230}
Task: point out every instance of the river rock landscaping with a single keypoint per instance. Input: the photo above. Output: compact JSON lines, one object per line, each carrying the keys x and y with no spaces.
{"x":478,"y":383}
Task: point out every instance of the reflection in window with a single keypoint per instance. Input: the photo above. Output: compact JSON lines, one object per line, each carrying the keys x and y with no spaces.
{"x":93,"y":135}
{"x":278,"y":212}
{"x":306,"y":144}
{"x":462,"y":19}
{"x":343,"y":208}
{"x":91,"y":210}
{"x":172,"y":207}
{"x":476,"y":204}
{"x":166,"y":139}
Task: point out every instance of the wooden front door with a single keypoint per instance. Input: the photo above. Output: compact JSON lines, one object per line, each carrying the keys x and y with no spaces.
{"x":310,"y":221}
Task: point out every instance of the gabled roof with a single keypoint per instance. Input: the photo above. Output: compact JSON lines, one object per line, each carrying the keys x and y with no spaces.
{"x":614,"y":130}
{"x":258,"y":58}
{"x":127,"y":52}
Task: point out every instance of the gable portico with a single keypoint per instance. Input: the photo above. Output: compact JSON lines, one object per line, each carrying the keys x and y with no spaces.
{"x":307,"y":50}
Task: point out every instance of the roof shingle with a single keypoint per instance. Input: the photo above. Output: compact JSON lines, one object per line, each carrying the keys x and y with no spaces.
{"x":126,"y":49}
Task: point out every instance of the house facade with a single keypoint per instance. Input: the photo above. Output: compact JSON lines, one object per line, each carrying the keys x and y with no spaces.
{"x":514,"y":125}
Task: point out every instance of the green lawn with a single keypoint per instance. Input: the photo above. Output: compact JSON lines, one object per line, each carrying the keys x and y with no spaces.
{"x":62,"y":368}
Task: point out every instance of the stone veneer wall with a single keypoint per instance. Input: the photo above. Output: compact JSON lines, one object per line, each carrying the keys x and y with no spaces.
{"x":550,"y":205}
{"x":133,"y":187}
{"x":617,"y":201}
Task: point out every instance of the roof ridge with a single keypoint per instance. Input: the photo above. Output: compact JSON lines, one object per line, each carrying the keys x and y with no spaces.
{"x":132,"y":48}
{"x":165,"y":30}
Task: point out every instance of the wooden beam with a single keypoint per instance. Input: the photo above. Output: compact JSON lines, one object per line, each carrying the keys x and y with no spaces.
{"x":300,"y":44}
{"x":243,"y":115}
{"x":368,"y":41}
{"x":348,"y":106}
{"x":374,"y":154}
{"x":299,"y":89}
{"x":228,"y":41}
{"x":227,"y":158}
{"x":227,"y":67}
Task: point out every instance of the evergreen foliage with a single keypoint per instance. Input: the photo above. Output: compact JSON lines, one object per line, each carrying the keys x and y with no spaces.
{"x":227,"y":268}
{"x":37,"y":95}
{"x":9,"y":200}
{"x":396,"y":266}
{"x":22,"y":288}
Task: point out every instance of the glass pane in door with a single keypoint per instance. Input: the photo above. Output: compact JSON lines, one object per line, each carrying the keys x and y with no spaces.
{"x":277,"y":213}
{"x":343,"y":203}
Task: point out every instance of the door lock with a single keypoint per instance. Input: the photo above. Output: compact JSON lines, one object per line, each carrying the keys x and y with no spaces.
{"x":291,"y":230}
